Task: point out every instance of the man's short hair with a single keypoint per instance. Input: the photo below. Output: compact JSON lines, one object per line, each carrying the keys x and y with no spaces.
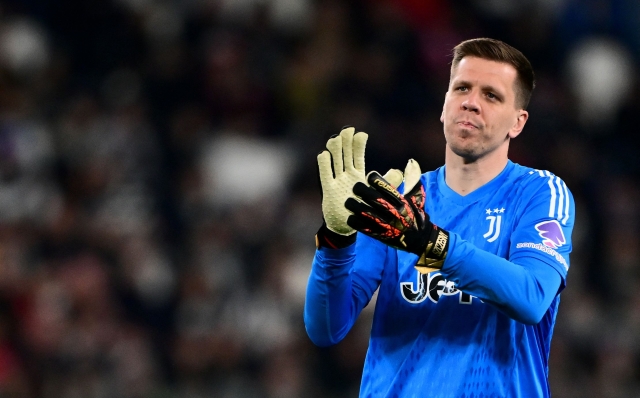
{"x":496,"y":50}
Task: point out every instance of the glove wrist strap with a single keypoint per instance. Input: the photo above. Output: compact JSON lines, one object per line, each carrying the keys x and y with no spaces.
{"x":435,"y":252}
{"x":329,"y":239}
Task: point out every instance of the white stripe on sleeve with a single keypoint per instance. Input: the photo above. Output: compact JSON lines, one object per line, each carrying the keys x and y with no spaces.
{"x":552,"y":202}
{"x":560,"y":197}
{"x":566,"y":207}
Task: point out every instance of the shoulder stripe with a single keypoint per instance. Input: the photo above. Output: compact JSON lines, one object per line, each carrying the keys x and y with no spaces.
{"x":552,"y":202}
{"x":566,"y":207}
{"x":559,"y":202}
{"x":560,"y":198}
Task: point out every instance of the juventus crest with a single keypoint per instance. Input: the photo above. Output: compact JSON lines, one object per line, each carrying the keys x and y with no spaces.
{"x":495,"y":221}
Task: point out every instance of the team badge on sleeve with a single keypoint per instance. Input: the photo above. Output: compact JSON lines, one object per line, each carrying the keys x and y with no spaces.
{"x":551,"y":233}
{"x":552,"y":239}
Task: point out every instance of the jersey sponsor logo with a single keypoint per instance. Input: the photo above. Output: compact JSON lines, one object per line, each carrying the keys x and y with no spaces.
{"x":545,"y":249}
{"x":494,"y":223}
{"x":551,"y":233}
{"x":431,"y":286}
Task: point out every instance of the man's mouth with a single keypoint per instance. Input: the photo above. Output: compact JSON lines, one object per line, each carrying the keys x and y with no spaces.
{"x":467,"y":125}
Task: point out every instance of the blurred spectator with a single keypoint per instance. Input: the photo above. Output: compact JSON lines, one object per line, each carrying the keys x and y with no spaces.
{"x":159,"y":197}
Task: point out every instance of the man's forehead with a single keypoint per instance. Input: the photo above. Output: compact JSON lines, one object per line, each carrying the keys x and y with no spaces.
{"x":473,"y":68}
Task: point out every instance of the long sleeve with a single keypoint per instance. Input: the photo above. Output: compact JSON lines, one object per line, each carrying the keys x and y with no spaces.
{"x":523,"y":289}
{"x":341,"y":284}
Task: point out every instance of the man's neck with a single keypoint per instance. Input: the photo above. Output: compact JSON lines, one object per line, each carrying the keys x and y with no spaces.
{"x":465,"y":177}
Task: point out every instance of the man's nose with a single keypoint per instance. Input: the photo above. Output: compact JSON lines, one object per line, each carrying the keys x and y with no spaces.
{"x":470,"y":103}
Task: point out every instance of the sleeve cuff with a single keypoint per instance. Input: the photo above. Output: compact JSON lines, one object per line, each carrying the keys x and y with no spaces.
{"x":331,"y":240}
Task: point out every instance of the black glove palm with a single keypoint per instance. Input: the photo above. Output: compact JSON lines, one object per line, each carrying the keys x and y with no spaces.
{"x":399,"y":220}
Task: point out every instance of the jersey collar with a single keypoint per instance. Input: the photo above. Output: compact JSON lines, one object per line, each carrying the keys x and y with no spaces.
{"x":479,"y":193}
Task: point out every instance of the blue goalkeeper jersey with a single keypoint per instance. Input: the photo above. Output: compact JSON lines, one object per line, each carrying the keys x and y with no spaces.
{"x":480,"y":327}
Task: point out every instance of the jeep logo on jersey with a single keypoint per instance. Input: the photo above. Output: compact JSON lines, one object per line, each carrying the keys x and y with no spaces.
{"x":431,"y":286}
{"x":551,"y":233}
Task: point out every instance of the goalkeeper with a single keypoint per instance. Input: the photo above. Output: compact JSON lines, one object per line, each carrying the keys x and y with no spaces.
{"x":468,"y":260}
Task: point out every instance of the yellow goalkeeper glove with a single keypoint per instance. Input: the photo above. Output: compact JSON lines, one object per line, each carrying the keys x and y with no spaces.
{"x":346,"y":153}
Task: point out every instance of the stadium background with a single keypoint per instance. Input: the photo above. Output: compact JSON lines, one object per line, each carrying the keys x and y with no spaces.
{"x":158,"y":189}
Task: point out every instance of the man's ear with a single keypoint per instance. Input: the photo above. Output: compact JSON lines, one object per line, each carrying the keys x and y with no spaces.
{"x":443,"y":105}
{"x":521,"y":120}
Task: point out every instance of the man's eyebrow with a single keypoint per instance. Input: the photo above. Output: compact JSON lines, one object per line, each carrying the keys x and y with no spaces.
{"x":491,"y":88}
{"x":486,"y":87}
{"x":461,"y":83}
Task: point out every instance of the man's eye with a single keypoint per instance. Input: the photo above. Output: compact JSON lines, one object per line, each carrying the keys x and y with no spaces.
{"x":491,"y":96}
{"x":462,"y":88}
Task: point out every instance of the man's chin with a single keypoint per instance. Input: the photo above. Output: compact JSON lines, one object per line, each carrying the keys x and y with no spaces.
{"x":468,"y":154}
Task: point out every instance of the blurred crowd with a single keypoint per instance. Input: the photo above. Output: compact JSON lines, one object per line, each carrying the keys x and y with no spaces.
{"x":159,"y":194}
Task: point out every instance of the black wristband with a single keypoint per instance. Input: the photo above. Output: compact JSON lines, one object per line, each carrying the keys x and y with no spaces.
{"x":327,"y":238}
